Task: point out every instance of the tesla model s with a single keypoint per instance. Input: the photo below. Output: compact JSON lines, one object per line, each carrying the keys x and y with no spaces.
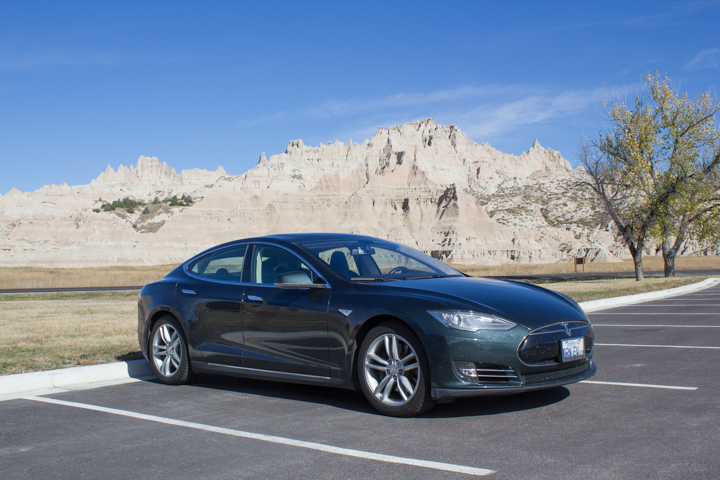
{"x":360,"y":313}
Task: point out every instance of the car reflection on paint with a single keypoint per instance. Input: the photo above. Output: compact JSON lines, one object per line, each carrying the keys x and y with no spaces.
{"x":360,"y":313}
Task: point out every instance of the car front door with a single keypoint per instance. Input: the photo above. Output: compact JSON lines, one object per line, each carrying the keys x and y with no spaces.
{"x":284,"y":329}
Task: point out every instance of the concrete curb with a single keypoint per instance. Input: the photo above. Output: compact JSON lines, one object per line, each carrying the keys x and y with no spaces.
{"x":605,"y":303}
{"x":77,"y":376}
{"x":73,"y":377}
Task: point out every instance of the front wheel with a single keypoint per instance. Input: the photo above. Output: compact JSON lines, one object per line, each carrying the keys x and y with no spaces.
{"x":393,"y":371}
{"x":168,"y":352}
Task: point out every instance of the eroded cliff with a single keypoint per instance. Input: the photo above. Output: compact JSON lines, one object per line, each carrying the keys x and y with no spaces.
{"x":421,"y":184}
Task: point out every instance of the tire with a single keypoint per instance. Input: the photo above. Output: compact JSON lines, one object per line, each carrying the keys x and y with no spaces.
{"x":388,"y":385}
{"x":168,"y":352}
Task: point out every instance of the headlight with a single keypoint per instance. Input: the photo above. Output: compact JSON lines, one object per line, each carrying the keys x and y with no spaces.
{"x":471,"y":321}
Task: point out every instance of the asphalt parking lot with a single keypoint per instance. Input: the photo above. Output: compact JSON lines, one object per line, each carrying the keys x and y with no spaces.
{"x":650,"y":412}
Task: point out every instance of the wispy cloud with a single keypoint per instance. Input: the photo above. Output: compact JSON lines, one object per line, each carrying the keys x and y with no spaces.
{"x":709,"y":58}
{"x":483,"y":113}
{"x":333,"y":108}
{"x":488,"y":120}
{"x":68,"y":57}
{"x":403,"y":101}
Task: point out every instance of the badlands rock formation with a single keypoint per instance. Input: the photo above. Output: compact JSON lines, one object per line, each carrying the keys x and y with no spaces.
{"x":421,"y":184}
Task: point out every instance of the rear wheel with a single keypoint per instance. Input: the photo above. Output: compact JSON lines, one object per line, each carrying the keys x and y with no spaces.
{"x":168,"y":352}
{"x":393,"y":371}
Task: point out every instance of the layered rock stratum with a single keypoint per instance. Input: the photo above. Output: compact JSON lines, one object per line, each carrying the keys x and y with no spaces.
{"x":421,"y":184}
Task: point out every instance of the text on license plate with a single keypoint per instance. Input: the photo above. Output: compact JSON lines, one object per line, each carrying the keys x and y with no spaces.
{"x":572,"y":348}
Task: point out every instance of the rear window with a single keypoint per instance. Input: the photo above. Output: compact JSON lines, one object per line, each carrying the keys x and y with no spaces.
{"x":225,"y":264}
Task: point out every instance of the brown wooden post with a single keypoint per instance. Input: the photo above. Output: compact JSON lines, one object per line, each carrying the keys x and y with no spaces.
{"x":579,"y":261}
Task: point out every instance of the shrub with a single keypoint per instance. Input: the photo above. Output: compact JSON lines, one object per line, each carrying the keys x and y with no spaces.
{"x":127,"y":203}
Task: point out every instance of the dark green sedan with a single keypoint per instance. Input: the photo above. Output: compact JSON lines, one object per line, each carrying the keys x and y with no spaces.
{"x":360,"y":313}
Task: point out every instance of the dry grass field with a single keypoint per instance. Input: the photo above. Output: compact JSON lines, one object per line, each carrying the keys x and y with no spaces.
{"x":48,"y":331}
{"x":34,"y":277}
{"x":594,"y":289}
{"x":649,"y":264}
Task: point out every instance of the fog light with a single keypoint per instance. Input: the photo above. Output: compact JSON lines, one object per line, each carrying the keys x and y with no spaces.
{"x":465,"y":371}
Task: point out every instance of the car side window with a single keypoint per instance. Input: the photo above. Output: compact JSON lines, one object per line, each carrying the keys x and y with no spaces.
{"x":271,"y":262}
{"x":387,"y":261}
{"x":225,"y":264}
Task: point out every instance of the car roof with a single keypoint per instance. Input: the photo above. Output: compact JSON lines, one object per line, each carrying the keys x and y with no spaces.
{"x":293,"y":238}
{"x":311,"y":237}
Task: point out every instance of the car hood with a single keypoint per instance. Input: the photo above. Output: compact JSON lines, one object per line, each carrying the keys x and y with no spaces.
{"x":527,"y":305}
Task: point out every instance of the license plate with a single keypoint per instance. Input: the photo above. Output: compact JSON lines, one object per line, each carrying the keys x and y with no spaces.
{"x":572,"y":349}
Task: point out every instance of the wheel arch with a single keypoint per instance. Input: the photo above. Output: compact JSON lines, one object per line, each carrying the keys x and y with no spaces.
{"x":153,"y":319}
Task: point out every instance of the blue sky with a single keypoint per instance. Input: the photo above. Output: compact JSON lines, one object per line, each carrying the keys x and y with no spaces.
{"x":203,"y":84}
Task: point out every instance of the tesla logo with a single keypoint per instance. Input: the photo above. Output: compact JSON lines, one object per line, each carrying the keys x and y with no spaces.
{"x":566,"y":328}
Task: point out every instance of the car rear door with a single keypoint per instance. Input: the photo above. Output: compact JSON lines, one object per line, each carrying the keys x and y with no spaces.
{"x":213,"y":301}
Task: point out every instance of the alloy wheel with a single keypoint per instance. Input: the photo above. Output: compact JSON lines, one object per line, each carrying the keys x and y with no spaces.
{"x":391,"y":369}
{"x":166,"y":350}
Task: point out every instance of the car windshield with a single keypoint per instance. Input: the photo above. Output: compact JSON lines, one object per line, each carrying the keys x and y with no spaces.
{"x":363,"y":260}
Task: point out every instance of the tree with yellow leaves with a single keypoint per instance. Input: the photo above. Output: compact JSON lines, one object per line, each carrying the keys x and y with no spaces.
{"x":655,"y":169}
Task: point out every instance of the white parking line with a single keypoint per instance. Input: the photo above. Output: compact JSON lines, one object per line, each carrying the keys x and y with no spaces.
{"x":654,"y":346}
{"x":693,"y":295}
{"x":447,"y":467}
{"x":653,"y":313}
{"x":669,"y":326}
{"x":643,"y":385}
{"x":643,"y":305}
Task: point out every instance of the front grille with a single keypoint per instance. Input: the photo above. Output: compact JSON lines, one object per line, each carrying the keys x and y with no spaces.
{"x":542,"y":346}
{"x":492,"y":374}
{"x":484,"y":373}
{"x":556,"y":374}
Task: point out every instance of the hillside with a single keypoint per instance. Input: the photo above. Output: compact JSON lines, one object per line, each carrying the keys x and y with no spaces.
{"x":421,"y":184}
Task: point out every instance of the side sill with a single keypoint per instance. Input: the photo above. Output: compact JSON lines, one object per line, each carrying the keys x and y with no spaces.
{"x":255,"y":373}
{"x":448,"y":393}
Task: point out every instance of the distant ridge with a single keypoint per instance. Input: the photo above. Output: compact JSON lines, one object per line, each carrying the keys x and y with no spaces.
{"x":422,"y":184}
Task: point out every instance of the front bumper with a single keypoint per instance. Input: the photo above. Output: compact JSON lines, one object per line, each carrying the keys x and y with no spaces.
{"x":527,"y":385}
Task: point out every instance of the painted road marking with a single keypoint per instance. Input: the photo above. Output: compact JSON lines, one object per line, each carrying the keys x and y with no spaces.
{"x":653,"y":346}
{"x":447,"y":467}
{"x":643,"y":385}
{"x":669,"y":326}
{"x":653,"y":313}
{"x":692,"y":295}
{"x":675,"y":305}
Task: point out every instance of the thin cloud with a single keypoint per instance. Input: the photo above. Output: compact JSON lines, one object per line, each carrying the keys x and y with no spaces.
{"x":272,"y":118}
{"x":65,"y":57}
{"x":488,"y":121}
{"x":709,"y":58}
{"x":335,"y":108}
{"x":400,"y":101}
{"x":487,"y":118}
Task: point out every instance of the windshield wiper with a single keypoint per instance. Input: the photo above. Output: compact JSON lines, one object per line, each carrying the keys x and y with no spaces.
{"x":426,"y":276}
{"x":371,"y":279}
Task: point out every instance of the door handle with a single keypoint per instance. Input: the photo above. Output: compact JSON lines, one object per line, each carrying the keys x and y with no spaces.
{"x":187,"y":291}
{"x":255,"y":298}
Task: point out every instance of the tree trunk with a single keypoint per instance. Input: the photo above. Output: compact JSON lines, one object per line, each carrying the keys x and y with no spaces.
{"x":669,"y":261}
{"x":669,"y":252}
{"x":637,"y":260}
{"x":636,"y":250}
